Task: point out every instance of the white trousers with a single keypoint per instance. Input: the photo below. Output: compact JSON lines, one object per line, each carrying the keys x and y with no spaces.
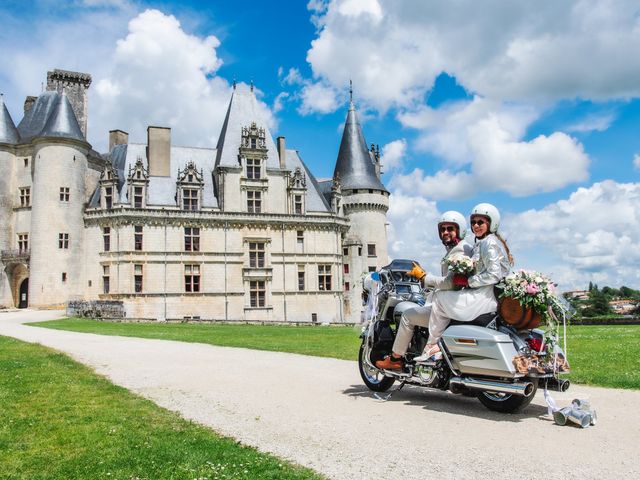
{"x":462,"y":305}
{"x":410,"y":318}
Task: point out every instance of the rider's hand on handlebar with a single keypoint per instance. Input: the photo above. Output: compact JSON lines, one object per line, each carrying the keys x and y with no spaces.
{"x":417,"y":271}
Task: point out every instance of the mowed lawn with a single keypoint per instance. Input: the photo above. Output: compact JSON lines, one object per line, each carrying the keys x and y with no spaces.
{"x":606,"y":356}
{"x":59,"y":420}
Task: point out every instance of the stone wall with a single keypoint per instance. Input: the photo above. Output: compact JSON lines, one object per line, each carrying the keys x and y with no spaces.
{"x":95,"y":309}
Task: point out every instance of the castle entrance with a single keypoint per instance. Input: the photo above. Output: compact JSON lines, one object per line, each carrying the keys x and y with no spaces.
{"x":24,"y":294}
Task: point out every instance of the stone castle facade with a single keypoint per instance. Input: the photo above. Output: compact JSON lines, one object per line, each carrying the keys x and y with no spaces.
{"x":242,"y":231}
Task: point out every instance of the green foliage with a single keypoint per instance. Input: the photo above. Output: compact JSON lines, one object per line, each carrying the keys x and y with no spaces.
{"x":61,"y":421}
{"x":605,"y":356}
{"x":598,"y":304}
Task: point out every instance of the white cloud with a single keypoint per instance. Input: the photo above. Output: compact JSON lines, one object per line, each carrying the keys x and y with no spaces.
{"x":523,"y":50}
{"x":481,"y":142}
{"x":318,"y":97}
{"x":393,"y":154}
{"x":636,"y":161}
{"x":592,"y":235}
{"x":598,"y":123}
{"x":413,"y":230}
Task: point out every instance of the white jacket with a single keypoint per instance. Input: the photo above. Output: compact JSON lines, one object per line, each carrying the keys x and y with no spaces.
{"x":445,"y":281}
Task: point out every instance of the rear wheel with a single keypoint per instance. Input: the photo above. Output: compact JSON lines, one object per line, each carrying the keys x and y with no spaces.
{"x":372,"y":377}
{"x":506,"y":402}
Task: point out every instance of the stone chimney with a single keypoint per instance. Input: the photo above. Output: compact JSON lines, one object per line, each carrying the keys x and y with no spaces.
{"x":282,"y":153}
{"x":117,"y":137}
{"x":159,"y":151}
{"x":28,"y":103}
{"x":75,"y":85}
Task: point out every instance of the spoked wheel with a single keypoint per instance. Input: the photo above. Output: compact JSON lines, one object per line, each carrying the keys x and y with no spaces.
{"x":506,"y":402}
{"x":372,"y":377}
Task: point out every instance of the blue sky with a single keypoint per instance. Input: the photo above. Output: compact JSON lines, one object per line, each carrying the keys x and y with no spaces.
{"x":534,"y":108}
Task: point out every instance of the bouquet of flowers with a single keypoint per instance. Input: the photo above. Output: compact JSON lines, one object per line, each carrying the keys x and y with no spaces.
{"x":532,"y":289}
{"x":460,"y":264}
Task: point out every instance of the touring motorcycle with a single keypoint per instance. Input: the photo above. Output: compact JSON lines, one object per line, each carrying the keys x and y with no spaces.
{"x":478,"y":358}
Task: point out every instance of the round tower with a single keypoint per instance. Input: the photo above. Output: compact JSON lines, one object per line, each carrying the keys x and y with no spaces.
{"x":365,"y":202}
{"x":58,"y":196}
{"x":9,"y":138}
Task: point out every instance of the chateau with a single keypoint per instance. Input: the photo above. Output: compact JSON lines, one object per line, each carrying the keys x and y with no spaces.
{"x":242,"y":231}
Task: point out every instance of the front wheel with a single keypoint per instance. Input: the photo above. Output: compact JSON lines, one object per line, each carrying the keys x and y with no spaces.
{"x":372,"y":377}
{"x":506,"y":402}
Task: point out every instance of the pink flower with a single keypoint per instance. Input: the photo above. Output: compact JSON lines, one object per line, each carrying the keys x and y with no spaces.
{"x":532,"y":289}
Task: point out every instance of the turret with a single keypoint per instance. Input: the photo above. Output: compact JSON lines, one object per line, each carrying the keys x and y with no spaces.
{"x":365,"y":202}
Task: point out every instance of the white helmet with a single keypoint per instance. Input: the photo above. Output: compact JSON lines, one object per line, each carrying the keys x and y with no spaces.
{"x":488,"y":210}
{"x":454,"y":217}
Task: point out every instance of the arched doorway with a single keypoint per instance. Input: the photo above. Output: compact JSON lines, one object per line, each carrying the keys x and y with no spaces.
{"x":24,"y":294}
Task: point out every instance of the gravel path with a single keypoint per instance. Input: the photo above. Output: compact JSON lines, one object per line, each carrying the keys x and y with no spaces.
{"x":316,"y":412}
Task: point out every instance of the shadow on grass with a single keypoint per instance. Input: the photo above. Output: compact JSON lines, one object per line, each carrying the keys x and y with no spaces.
{"x":446,"y":402}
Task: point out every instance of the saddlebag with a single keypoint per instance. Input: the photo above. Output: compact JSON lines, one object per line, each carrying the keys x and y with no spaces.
{"x":383,"y":337}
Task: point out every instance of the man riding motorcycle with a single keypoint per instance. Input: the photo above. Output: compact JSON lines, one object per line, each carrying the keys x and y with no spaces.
{"x":452,"y":228}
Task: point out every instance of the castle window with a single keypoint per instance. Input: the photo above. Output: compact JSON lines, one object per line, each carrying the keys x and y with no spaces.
{"x":257,"y":293}
{"x":137,"y":237}
{"x":359,"y":251}
{"x":25,"y":196}
{"x":64,"y":277}
{"x":300,"y":278}
{"x":256,"y":254}
{"x":191,"y":239}
{"x":346,"y":268}
{"x":297,"y":204}
{"x":300,"y":241}
{"x":108,"y":197}
{"x":105,"y":279}
{"x":64,"y":194}
{"x":138,"y":196}
{"x":371,"y":249}
{"x":254,"y":143}
{"x":106,"y":238}
{"x":345,"y":252}
{"x":189,"y":199}
{"x":23,"y":242}
{"x":347,"y":287}
{"x":254,"y":170}
{"x":63,"y":241}
{"x":324,"y":277}
{"x":192,"y":278}
{"x":137,"y":278}
{"x":254,"y":201}
{"x":372,"y":269}
{"x":26,"y":162}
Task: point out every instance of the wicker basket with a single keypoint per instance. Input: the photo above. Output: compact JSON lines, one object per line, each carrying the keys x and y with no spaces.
{"x":516,"y":315}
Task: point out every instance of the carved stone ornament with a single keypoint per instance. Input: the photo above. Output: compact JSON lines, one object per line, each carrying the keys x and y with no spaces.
{"x":253,"y":133}
{"x":109,"y":174}
{"x":137,"y":173}
{"x":336,"y":187}
{"x":297,"y":180}
{"x":190,"y":175}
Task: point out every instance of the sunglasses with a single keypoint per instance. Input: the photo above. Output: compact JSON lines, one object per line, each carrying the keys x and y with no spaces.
{"x":447,"y":229}
{"x":478,"y":222}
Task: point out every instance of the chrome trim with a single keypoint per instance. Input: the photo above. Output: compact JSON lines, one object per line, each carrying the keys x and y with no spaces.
{"x":522,"y":389}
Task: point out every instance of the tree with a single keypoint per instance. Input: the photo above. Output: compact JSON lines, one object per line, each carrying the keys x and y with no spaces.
{"x":598,"y":304}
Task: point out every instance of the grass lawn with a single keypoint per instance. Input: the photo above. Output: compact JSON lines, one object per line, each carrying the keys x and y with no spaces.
{"x":606,"y":356}
{"x":59,"y":420}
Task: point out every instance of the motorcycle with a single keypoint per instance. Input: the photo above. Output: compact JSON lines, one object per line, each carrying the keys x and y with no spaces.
{"x":477,"y":356}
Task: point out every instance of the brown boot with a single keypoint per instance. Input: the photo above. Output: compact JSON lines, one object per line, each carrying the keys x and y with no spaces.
{"x":390,"y":363}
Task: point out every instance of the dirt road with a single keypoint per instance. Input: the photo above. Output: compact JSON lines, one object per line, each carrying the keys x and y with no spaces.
{"x":316,"y":412}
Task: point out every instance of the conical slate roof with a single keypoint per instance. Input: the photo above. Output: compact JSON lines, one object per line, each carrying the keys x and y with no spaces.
{"x":62,"y":121}
{"x":8,"y":131}
{"x":355,"y":168}
{"x":242,"y":112}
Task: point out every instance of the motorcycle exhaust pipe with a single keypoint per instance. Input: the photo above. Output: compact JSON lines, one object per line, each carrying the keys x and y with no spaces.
{"x":555,"y":384}
{"x":523,"y":389}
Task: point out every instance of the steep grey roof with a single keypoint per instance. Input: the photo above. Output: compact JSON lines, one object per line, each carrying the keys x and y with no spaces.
{"x":62,"y":121}
{"x":50,"y":115}
{"x":315,"y":200}
{"x":324,"y":187}
{"x":243,"y":110}
{"x":355,"y":167}
{"x":8,"y":130}
{"x":162,"y":190}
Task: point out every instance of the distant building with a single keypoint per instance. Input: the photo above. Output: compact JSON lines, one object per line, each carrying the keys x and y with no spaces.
{"x":577,"y":295}
{"x":623,"y":307}
{"x":242,"y":231}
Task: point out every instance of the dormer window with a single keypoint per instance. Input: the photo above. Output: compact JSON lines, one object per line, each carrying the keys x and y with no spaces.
{"x":138,"y":181}
{"x":254,"y":168}
{"x":190,"y":186}
{"x":296,"y":191}
{"x":108,"y":187}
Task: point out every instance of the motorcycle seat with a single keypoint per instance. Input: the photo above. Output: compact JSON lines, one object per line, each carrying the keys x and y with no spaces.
{"x":480,"y":321}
